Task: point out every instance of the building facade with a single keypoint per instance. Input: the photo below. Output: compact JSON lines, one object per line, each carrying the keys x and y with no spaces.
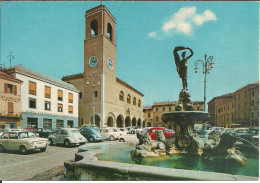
{"x":46,"y":102}
{"x":153,"y":114}
{"x":104,"y":98}
{"x":238,"y":109}
{"x":10,"y":101}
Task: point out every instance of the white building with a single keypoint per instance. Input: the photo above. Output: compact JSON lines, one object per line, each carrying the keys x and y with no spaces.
{"x":46,"y":102}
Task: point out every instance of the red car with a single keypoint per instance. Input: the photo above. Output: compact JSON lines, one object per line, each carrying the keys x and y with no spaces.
{"x":152,"y":132}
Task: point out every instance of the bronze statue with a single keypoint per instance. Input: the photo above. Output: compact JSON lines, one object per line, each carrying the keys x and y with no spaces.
{"x":181,"y":64}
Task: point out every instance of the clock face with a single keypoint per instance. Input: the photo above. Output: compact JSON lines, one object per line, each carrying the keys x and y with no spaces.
{"x":92,"y":61}
{"x":110,"y":64}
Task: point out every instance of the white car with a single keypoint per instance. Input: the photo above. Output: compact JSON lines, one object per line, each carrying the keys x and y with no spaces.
{"x":110,"y":133}
{"x":68,"y":137}
{"x":22,"y":141}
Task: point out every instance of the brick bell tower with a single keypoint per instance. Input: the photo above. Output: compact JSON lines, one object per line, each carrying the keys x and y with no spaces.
{"x":99,"y":60}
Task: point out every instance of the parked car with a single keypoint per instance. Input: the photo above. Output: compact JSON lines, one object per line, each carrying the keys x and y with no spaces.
{"x":110,"y":133}
{"x":123,"y":131}
{"x":239,"y":131}
{"x":220,"y":130}
{"x":249,"y":135}
{"x":229,"y":130}
{"x":89,"y":126}
{"x":153,"y":134}
{"x":45,"y":132}
{"x":92,"y":134}
{"x":68,"y":137}
{"x":15,"y":130}
{"x":22,"y":141}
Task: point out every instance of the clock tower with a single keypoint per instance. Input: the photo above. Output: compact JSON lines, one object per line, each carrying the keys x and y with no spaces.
{"x":99,"y":60}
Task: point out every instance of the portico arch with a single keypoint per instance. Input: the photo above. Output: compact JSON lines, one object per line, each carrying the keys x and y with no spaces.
{"x":139,"y":122}
{"x":111,"y":119}
{"x":134,"y":121}
{"x":120,"y":121}
{"x":144,"y":124}
{"x":127,"y":121}
{"x":149,"y":124}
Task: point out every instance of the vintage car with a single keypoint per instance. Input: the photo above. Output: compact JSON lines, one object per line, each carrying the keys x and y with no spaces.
{"x":110,"y":133}
{"x":22,"y":141}
{"x":92,"y":134}
{"x":68,"y":137}
{"x":248,"y":137}
{"x":89,"y":126}
{"x":45,"y":132}
{"x":153,"y":134}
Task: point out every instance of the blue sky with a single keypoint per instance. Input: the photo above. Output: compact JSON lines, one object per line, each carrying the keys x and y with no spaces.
{"x":48,"y":37}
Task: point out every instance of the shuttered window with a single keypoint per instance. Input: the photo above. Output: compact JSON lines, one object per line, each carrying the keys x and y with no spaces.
{"x":70,"y":98}
{"x":47,"y":92}
{"x":70,"y":109}
{"x":60,"y":95}
{"x":60,"y":108}
{"x":47,"y":106}
{"x":32,"y":88}
{"x":9,"y":88}
{"x":10,"y":109}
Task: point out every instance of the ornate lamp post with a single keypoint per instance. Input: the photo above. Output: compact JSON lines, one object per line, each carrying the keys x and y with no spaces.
{"x":207,"y":66}
{"x":94,"y":80}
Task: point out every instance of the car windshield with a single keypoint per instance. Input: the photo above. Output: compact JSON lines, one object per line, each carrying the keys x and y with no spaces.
{"x":74,"y":131}
{"x":26,"y":135}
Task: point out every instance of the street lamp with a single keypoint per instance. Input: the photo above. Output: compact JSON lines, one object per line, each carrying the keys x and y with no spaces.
{"x":93,"y":91}
{"x":207,"y":66}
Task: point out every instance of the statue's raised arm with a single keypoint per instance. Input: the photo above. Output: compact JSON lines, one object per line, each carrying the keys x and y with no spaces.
{"x":177,"y":57}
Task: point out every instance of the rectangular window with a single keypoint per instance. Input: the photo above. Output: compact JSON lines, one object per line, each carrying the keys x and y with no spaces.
{"x":32,"y":88}
{"x":170,"y":108}
{"x":70,"y":109}
{"x":32,"y":122}
{"x":252,"y":102}
{"x":32,"y":103}
{"x":80,"y":95}
{"x":96,"y":93}
{"x":70,"y":98}
{"x":252,"y":114}
{"x":245,"y":94}
{"x":156,"y":108}
{"x":59,"y":123}
{"x":163,"y":109}
{"x":149,"y":115}
{"x":10,"y":109}
{"x":47,"y":123}
{"x":253,"y":93}
{"x":9,"y":88}
{"x":60,"y":107}
{"x":47,"y":106}
{"x":60,"y":95}
{"x":47,"y":92}
{"x":70,"y":123}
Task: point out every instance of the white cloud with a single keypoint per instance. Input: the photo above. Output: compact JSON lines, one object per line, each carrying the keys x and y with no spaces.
{"x":206,"y":16}
{"x":152,"y":34}
{"x":184,"y":20}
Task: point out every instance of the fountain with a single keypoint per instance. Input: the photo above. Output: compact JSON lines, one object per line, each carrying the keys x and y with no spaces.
{"x":215,"y":147}
{"x":179,"y":153}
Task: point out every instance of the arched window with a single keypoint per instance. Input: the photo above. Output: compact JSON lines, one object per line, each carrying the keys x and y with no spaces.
{"x":94,"y":28}
{"x":121,"y":96}
{"x":109,"y":31}
{"x":156,"y":119}
{"x":134,"y":101}
{"x":139,"y":103}
{"x":128,"y":98}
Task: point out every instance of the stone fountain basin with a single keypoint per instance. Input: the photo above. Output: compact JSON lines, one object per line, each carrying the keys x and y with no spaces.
{"x":88,"y":167}
{"x":185,"y":117}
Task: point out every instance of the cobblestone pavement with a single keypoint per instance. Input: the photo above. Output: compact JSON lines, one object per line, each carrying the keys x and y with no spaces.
{"x":17,"y":167}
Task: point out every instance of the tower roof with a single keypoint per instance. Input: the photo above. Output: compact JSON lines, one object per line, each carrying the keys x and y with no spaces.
{"x":100,"y":8}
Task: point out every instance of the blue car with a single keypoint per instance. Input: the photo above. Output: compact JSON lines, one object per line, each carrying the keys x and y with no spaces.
{"x":92,"y":134}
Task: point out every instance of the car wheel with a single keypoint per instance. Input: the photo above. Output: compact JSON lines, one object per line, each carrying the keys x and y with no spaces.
{"x":66,"y":143}
{"x":51,"y":142}
{"x":2,"y":149}
{"x":23,"y":150}
{"x":43,"y":149}
{"x":91,"y":139}
{"x":111,"y":138}
{"x":121,"y":140}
